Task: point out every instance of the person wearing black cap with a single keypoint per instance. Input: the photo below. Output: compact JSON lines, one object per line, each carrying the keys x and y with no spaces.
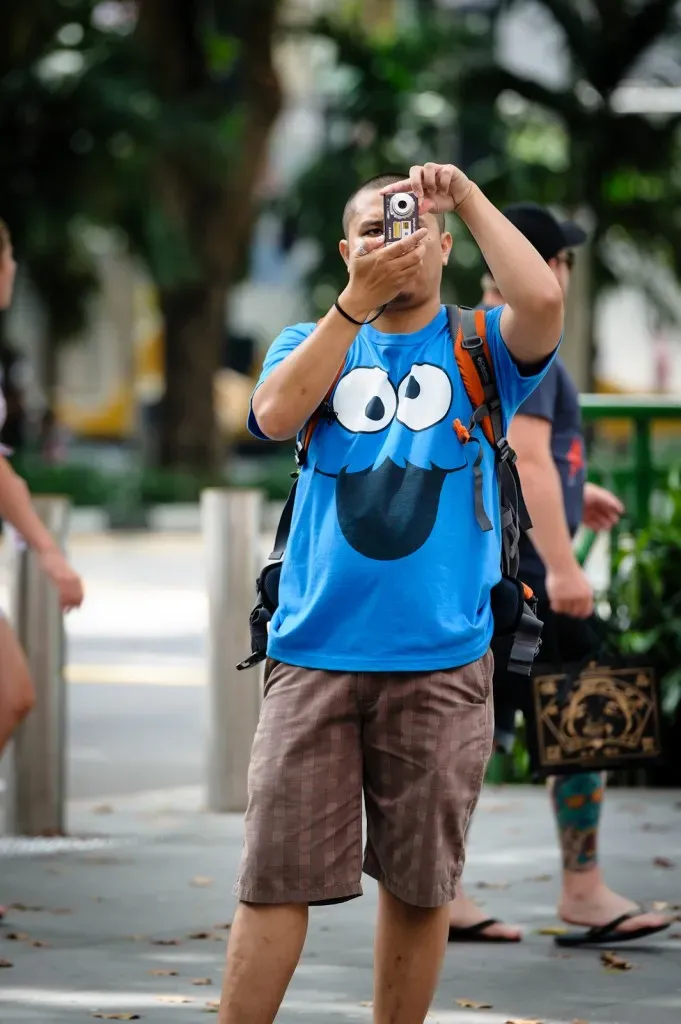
{"x":546,"y":434}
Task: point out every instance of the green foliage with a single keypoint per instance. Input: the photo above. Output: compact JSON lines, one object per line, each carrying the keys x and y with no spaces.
{"x":645,"y":595}
{"x":437,"y":91}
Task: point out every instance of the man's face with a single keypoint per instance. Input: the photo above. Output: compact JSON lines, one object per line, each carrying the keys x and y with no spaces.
{"x":562,"y":265}
{"x":367,"y":222}
{"x":8,"y":270}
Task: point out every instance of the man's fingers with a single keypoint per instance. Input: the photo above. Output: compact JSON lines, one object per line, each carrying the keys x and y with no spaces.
{"x":416,"y":179}
{"x":429,"y":177}
{"x":397,"y":249}
{"x":398,"y":186}
{"x":368,"y":245}
{"x":444,"y":177}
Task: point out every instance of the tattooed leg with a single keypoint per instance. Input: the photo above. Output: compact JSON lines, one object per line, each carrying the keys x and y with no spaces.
{"x":585,"y":898}
{"x":577,"y":801}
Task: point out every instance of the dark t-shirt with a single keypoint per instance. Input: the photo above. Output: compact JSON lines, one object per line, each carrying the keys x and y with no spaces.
{"x":556,"y":399}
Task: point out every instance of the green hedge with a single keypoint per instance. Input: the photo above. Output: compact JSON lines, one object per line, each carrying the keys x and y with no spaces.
{"x":86,"y":485}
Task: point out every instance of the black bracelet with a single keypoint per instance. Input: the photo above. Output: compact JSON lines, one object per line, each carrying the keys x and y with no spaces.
{"x":359,"y":323}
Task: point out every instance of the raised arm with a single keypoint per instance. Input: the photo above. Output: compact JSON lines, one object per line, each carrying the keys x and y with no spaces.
{"x":532,"y":320}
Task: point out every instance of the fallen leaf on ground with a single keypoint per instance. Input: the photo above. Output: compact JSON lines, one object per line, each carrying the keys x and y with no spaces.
{"x":103,"y":809}
{"x":25,"y":908}
{"x":469,"y":1005}
{"x":202,"y":881}
{"x":555,"y":930}
{"x":164,"y":973}
{"x":173,"y":999}
{"x":210,"y":1009}
{"x":117,"y":1016}
{"x":493,"y":885}
{"x":39,"y":944}
{"x":201,"y":981}
{"x":367,"y":1002}
{"x":201,"y":935}
{"x":664,"y":862}
{"x":166,"y":942}
{"x":539,"y":878}
{"x":613,"y":962}
{"x":17,"y":937}
{"x":6,"y":963}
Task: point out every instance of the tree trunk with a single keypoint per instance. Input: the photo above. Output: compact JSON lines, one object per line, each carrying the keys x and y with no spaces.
{"x":194,"y":320}
{"x":216,"y":215}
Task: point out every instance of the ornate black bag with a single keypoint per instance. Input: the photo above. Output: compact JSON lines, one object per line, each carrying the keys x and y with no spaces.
{"x":598,"y":714}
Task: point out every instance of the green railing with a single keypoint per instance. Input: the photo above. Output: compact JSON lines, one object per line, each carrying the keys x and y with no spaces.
{"x":634,"y":474}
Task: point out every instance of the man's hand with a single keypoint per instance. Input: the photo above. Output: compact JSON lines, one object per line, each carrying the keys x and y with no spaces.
{"x":440,"y":187}
{"x":602,"y":509}
{"x":379,"y":272}
{"x":570,"y":592}
{"x":67,"y":582}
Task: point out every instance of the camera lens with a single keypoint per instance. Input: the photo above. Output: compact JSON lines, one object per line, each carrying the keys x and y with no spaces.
{"x":402,"y":205}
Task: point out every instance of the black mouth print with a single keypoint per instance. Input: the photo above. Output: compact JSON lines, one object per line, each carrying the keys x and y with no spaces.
{"x":389,"y":512}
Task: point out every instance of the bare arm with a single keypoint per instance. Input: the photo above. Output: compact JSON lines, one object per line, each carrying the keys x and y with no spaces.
{"x":532,"y":320}
{"x":293,"y":390}
{"x":17,"y":509}
{"x":567,"y":585}
{"x":287,"y":398}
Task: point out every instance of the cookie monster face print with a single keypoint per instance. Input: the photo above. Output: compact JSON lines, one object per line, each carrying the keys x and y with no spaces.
{"x":387,"y":504}
{"x":386,"y":567}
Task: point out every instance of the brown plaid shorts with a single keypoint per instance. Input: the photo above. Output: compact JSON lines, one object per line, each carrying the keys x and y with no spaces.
{"x":415,"y":744}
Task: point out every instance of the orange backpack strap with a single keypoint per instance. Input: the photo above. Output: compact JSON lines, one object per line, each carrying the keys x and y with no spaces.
{"x":474,"y":360}
{"x":305,"y":436}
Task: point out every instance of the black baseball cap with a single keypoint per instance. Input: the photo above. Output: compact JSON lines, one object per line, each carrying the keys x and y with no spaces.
{"x":548,"y":235}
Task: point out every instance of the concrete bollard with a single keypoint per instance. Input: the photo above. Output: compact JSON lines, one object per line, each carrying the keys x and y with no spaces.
{"x":231,"y":522}
{"x":37,"y":756}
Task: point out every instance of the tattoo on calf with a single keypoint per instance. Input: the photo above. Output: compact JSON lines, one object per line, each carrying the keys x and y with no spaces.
{"x":577,"y":801}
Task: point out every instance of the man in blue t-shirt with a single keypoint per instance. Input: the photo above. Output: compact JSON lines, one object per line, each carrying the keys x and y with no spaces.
{"x":379,"y":674}
{"x":547,"y":436}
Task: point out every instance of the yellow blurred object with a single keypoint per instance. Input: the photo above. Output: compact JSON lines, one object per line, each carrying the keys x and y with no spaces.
{"x":232,"y":402}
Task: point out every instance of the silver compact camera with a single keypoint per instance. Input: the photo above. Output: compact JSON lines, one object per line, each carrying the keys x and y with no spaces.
{"x":400,"y":216}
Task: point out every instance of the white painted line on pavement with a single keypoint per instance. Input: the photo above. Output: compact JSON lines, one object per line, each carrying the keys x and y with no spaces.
{"x":136,"y":675}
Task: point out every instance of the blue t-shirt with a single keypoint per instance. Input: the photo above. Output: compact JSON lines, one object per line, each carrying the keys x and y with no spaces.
{"x":557,"y":400}
{"x":386,"y":567}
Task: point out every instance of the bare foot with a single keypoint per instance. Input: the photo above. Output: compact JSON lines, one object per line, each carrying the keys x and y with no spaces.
{"x":464,"y":912}
{"x":594,"y":907}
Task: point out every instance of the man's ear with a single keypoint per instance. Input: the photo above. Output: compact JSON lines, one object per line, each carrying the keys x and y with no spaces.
{"x":446,"y":243}
{"x":344,"y":250}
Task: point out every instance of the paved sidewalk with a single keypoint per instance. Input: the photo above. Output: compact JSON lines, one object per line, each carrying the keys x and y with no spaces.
{"x":154,"y":869}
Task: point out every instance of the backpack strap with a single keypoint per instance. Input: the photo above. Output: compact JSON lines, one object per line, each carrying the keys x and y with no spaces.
{"x":468,"y":328}
{"x":476,"y":367}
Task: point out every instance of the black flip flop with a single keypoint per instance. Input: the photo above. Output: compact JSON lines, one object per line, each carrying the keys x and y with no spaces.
{"x":607,"y":934}
{"x":476,"y":933}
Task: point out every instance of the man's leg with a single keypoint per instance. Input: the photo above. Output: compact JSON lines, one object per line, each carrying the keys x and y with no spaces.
{"x":585,"y":898}
{"x":427,"y":739}
{"x":303,"y":833}
{"x":265,"y":944}
{"x":410,"y":944}
{"x":464,"y":913}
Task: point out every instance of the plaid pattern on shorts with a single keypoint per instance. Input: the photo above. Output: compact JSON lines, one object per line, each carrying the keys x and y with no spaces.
{"x":415,"y":745}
